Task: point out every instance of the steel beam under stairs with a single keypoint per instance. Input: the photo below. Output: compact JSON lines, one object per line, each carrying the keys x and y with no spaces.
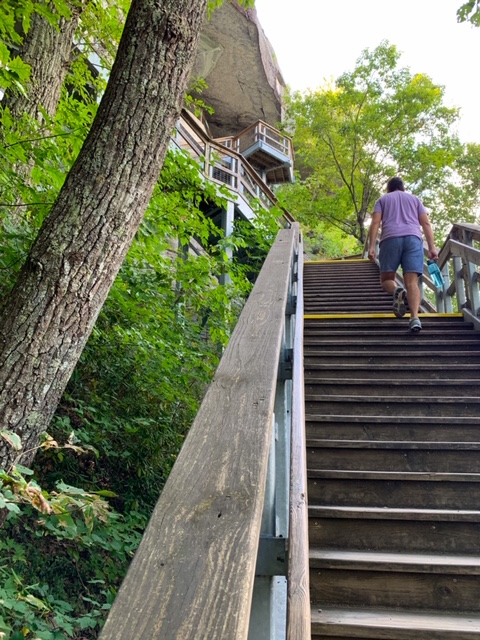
{"x":393,"y":456}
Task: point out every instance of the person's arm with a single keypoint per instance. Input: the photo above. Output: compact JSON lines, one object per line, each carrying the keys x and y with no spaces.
{"x":428,"y":231}
{"x":373,"y":233}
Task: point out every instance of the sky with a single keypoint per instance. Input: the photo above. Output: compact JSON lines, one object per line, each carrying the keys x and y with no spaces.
{"x":317,"y":40}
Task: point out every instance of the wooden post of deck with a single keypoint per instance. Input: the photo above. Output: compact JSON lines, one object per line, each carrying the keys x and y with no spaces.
{"x":228,"y":216}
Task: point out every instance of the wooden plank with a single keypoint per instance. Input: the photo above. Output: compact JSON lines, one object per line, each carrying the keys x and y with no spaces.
{"x":415,"y":476}
{"x":415,"y":494}
{"x":192,"y":576}
{"x":398,"y":420}
{"x":436,"y":371}
{"x":398,"y":625}
{"x":393,"y":444}
{"x":447,"y":515}
{"x":298,"y":607}
{"x":395,"y":535}
{"x":394,"y":460}
{"x":413,"y":388}
{"x":395,"y":562}
{"x":391,"y":399}
{"x":443,"y":592}
{"x":461,"y":250}
{"x":472,"y":228}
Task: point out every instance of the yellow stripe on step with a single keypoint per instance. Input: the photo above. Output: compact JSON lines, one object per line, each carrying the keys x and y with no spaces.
{"x":339,"y":261}
{"x":332,"y":316}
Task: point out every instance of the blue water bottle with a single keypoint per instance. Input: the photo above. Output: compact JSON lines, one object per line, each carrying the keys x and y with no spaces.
{"x":435,"y":273}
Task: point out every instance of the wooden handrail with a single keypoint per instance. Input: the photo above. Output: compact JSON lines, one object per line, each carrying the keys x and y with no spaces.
{"x":298,"y":589}
{"x":459,"y":261}
{"x":193,"y":573}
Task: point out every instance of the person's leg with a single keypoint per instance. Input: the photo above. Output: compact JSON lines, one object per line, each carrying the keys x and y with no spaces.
{"x":387,"y":280}
{"x":413,"y":293}
{"x":399,"y":295}
{"x":412,"y":265}
{"x":389,"y":259}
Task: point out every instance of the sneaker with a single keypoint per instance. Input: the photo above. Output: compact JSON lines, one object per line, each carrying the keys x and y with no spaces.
{"x":415,"y":325}
{"x":400,"y":302}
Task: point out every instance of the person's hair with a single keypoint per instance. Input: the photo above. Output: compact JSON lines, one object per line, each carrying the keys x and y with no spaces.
{"x":395,"y":184}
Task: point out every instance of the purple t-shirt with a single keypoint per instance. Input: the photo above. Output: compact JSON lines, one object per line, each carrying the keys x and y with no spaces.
{"x":400,"y":212}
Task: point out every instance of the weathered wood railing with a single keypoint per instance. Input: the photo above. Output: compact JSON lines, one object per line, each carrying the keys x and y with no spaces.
{"x":219,"y":540}
{"x":259,"y":132}
{"x":459,"y":261}
{"x":221,"y":164}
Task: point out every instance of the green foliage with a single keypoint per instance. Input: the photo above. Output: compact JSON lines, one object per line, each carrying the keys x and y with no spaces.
{"x":469,"y":12}
{"x":374,"y":122}
{"x":157,"y":341}
{"x":130,"y":401}
{"x":63,"y":555}
{"x":214,"y":4}
{"x":71,"y":527}
{"x":461,"y":196}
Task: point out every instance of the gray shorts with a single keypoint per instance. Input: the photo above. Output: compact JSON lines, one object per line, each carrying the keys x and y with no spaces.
{"x":406,"y":251}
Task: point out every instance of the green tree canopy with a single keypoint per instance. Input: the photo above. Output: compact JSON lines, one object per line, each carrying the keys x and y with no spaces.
{"x":469,"y":12}
{"x":373,"y":122}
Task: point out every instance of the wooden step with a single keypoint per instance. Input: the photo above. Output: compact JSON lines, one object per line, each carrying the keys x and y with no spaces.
{"x":400,"y":580}
{"x":382,"y":562}
{"x":315,"y":384}
{"x":393,"y":490}
{"x":394,"y":460}
{"x":398,"y":348}
{"x":398,"y":530}
{"x":425,"y":406}
{"x":392,"y":444}
{"x":393,"y":457}
{"x":343,"y":289}
{"x":393,"y":331}
{"x":434,"y":322}
{"x":443,"y":515}
{"x":392,"y":372}
{"x":400,"y":428}
{"x":381,"y":624}
{"x":314,"y":356}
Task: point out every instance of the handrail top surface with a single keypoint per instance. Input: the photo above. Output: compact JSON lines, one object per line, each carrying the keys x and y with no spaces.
{"x":467,"y":226}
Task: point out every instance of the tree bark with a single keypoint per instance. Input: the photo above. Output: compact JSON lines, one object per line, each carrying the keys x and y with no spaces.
{"x":46,"y":320}
{"x":48,"y":51}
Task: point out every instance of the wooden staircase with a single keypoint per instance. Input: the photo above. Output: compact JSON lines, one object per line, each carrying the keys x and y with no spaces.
{"x":393,"y":456}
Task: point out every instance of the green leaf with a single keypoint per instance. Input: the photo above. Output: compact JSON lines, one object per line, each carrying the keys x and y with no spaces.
{"x":13,"y":439}
{"x":106,"y":493}
{"x":36,"y":602}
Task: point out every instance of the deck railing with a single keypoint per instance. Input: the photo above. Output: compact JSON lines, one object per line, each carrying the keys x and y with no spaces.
{"x":459,"y":262}
{"x":220,"y":532}
{"x":262,"y":132}
{"x":223,"y":163}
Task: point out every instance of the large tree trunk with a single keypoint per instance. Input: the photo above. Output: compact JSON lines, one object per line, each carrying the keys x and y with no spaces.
{"x":48,"y":51}
{"x":45,"y":322}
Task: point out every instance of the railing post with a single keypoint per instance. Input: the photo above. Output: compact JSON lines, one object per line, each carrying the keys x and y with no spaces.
{"x":447,"y":298}
{"x":471,"y":278}
{"x":459,"y":282}
{"x":227,"y":218}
